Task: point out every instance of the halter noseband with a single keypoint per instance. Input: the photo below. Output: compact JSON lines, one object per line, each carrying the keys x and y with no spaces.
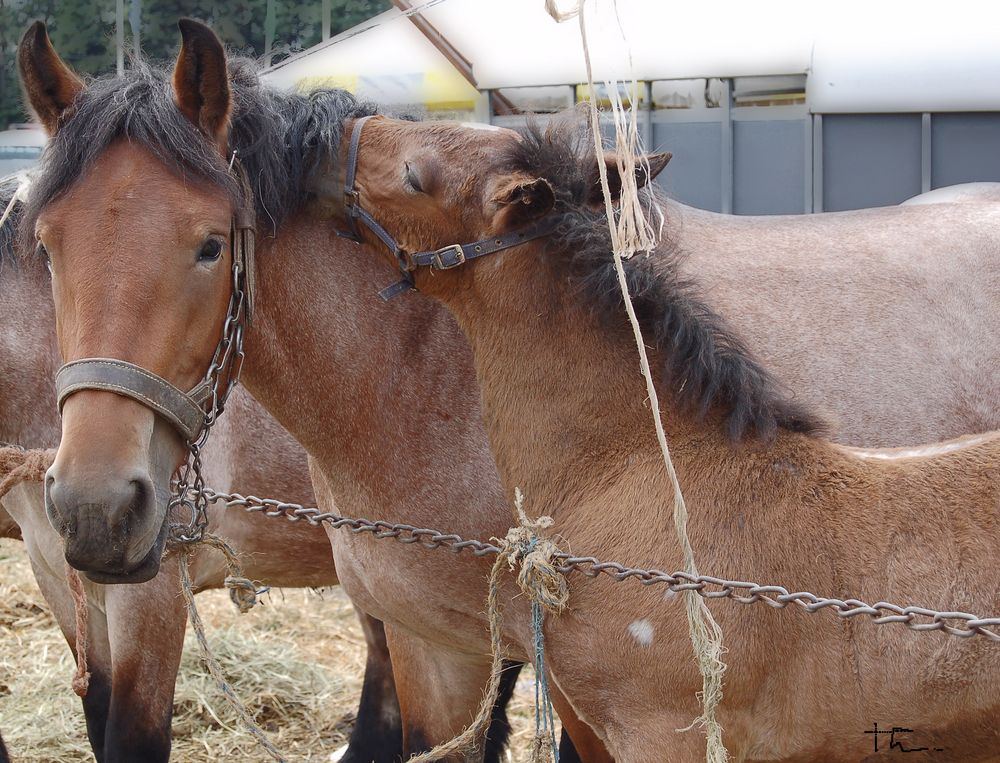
{"x":445,"y":258}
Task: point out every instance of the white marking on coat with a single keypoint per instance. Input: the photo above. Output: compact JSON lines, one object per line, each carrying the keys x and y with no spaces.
{"x":642,"y":631}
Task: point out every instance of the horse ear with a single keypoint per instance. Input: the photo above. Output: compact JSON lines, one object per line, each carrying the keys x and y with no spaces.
{"x":49,"y":84}
{"x":644,"y":173}
{"x":201,"y":82}
{"x":521,"y":200}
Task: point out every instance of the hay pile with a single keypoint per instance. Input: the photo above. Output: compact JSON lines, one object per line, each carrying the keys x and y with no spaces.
{"x":297,"y":662}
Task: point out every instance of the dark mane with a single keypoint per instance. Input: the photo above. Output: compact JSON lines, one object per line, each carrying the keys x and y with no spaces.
{"x":705,"y":366}
{"x":280,"y":138}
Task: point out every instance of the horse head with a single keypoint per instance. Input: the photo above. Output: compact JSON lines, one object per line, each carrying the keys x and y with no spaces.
{"x":141,"y":250}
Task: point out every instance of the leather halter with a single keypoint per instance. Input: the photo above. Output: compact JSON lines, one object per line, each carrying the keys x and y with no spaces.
{"x":189,"y":412}
{"x":445,"y":258}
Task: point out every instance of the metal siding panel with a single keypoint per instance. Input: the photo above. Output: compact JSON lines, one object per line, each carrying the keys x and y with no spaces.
{"x":870,"y":160}
{"x":965,"y":148}
{"x":694,"y":175}
{"x":769,"y":167}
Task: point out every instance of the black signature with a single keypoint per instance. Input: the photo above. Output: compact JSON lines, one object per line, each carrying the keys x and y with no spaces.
{"x":895,"y":742}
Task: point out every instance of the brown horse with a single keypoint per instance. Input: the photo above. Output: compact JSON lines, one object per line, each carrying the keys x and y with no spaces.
{"x":136,"y":632}
{"x":396,"y":430}
{"x":376,"y":733}
{"x":770,"y":499}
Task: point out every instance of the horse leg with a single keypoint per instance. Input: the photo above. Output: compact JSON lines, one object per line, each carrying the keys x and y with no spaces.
{"x":498,"y":732}
{"x":48,"y":566}
{"x":146,"y":630}
{"x":638,"y":737}
{"x":439,"y":695}
{"x":579,"y":742}
{"x":377,"y":736}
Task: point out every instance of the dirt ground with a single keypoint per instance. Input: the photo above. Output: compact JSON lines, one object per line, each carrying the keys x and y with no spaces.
{"x":297,"y":662}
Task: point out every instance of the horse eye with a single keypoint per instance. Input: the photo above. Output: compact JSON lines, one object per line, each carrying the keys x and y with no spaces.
{"x":210,"y":250}
{"x":412,"y":180}
{"x":41,"y":251}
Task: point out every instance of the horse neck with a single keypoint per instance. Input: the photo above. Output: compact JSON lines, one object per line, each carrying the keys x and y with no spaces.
{"x":383,"y":395}
{"x":28,"y":358}
{"x":563,"y":399}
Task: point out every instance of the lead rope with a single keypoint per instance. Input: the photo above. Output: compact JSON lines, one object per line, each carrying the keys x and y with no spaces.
{"x":81,"y":610}
{"x":239,"y":593}
{"x":546,"y":587}
{"x":631,"y":233}
{"x":18,"y":465}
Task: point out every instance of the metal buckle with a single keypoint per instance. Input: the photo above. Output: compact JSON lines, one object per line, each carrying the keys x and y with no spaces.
{"x":438,"y":264}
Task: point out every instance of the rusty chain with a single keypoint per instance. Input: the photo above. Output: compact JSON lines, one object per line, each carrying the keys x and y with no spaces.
{"x":960,"y":624}
{"x":188,"y":490}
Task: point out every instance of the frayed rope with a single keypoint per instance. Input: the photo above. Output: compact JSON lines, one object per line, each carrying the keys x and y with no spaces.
{"x":244,"y":595}
{"x":546,"y":587}
{"x":19,"y":465}
{"x":631,"y":232}
{"x":81,"y":679}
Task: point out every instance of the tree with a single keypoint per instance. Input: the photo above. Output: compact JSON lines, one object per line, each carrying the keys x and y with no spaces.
{"x":83,"y":31}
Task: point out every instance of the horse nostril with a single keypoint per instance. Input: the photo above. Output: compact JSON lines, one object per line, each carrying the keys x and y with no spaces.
{"x":132,"y":501}
{"x":62,"y":521}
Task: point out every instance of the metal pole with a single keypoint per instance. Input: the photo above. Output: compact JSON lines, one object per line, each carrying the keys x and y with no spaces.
{"x":818,"y":202}
{"x":135,"y":23}
{"x":326,"y":19}
{"x":727,"y":147}
{"x":925,"y":153}
{"x":647,"y":116}
{"x":120,"y":35}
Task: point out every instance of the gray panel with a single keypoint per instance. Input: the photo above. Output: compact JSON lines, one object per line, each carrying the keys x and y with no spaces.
{"x":769,"y":167}
{"x":870,"y":160}
{"x":694,"y":175}
{"x":965,"y":148}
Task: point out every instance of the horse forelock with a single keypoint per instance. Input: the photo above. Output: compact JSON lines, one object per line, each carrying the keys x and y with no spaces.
{"x":704,"y":364}
{"x":279,"y":138}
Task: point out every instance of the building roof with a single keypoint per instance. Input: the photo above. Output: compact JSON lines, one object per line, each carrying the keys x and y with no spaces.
{"x":862,"y":55}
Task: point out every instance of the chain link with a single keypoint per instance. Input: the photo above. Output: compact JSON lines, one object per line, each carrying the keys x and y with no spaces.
{"x":189,"y":493}
{"x":960,"y":624}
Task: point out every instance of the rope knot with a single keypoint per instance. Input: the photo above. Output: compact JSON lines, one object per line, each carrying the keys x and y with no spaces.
{"x":243,"y":592}
{"x":537,"y":576}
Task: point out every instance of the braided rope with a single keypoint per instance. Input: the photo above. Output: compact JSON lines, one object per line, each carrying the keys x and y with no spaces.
{"x":81,"y":610}
{"x":214,"y":668}
{"x":546,"y":587}
{"x":20,"y":465}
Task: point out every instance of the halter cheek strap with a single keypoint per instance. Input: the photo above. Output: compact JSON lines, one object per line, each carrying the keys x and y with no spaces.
{"x":446,"y":257}
{"x":191,"y":412}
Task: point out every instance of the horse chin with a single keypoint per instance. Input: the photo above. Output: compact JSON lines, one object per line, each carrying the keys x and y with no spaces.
{"x":147,"y":568}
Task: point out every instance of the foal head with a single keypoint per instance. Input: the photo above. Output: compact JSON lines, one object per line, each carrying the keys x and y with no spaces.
{"x":432,"y":184}
{"x":139,"y":249}
{"x":531,"y":206}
